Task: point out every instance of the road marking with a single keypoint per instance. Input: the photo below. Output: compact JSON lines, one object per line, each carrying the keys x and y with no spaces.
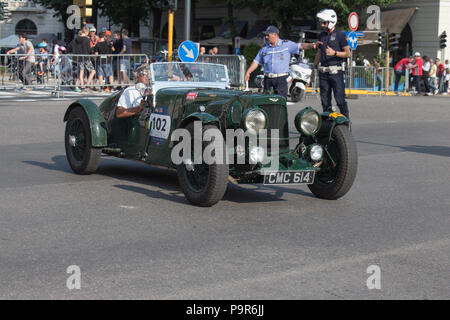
{"x":325,"y":266}
{"x":128,"y":207}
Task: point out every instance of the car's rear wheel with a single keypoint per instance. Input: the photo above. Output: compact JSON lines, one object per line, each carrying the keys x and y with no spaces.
{"x":82,"y":156}
{"x":203,"y":185}
{"x":337,"y":175}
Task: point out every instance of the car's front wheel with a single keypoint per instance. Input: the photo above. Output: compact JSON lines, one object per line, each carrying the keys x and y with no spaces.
{"x":338,"y":172}
{"x":297,"y":94}
{"x":203,"y":184}
{"x":82,"y":156}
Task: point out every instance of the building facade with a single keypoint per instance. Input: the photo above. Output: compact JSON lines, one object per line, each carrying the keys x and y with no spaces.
{"x":430,"y":19}
{"x":31,"y":18}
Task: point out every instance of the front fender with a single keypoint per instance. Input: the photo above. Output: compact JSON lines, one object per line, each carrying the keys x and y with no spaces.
{"x":300,"y":85}
{"x":96,"y":120}
{"x":335,"y":117}
{"x":205,"y":118}
{"x":330,"y":120}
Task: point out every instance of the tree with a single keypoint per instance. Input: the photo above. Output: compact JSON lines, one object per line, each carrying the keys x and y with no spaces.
{"x":124,"y":13}
{"x":131,"y":12}
{"x":282,"y":12}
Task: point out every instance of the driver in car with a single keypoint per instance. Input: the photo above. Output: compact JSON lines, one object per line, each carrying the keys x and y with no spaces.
{"x":131,"y":102}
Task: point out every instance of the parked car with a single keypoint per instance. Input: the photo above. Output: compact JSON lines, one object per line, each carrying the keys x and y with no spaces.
{"x":325,"y":156}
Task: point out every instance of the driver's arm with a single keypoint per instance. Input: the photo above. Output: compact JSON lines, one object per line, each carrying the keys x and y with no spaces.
{"x":123,"y":112}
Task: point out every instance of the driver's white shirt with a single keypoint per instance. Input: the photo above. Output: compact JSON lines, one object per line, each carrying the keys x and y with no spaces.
{"x":130,"y":98}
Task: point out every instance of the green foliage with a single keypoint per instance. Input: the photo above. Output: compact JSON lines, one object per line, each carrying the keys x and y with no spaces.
{"x":121,"y":12}
{"x":282,"y":12}
{"x":60,"y":7}
{"x":310,"y":54}
{"x":382,"y":59}
{"x":250,"y":51}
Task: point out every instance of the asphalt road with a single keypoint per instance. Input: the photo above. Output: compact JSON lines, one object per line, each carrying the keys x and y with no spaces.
{"x":134,"y":236}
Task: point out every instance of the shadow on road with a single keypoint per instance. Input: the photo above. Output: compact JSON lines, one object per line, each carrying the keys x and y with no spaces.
{"x":167,"y":181}
{"x":433,"y":150}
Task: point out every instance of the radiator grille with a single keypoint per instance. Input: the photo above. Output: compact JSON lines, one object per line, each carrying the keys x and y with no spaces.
{"x":278,"y":119}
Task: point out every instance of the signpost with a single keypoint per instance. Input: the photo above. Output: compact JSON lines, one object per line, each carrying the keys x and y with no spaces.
{"x":353,"y":21}
{"x":352,"y":39}
{"x":188,"y":51}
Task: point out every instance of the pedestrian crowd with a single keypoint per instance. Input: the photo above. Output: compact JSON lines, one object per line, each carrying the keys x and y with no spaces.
{"x":92,"y":60}
{"x":427,"y":76}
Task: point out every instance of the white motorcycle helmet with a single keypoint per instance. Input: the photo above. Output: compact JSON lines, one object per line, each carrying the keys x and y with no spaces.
{"x":328,"y":15}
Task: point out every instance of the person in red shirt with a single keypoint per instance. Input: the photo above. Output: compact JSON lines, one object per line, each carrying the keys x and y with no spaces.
{"x":400,"y":68}
{"x":93,"y":37}
{"x":440,"y":73}
{"x":417,"y":71}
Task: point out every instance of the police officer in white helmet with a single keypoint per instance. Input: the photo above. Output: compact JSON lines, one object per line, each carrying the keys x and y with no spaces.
{"x":333,"y":51}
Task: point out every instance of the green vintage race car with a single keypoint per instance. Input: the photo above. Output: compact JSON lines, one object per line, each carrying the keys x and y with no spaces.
{"x":325,"y":156}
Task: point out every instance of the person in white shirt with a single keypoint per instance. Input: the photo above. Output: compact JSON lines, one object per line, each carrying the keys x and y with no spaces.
{"x":426,"y":74}
{"x":366,"y":63}
{"x":447,"y":76}
{"x":132,"y":102}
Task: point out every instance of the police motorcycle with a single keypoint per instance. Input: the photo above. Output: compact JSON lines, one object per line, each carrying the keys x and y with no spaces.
{"x":299,"y":77}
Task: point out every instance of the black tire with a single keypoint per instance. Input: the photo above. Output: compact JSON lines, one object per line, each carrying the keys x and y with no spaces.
{"x":297,"y":94}
{"x":335,"y":182}
{"x":204,"y":186}
{"x":82,"y":156}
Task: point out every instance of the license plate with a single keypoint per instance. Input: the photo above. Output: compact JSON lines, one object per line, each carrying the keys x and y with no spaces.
{"x":294,"y":177}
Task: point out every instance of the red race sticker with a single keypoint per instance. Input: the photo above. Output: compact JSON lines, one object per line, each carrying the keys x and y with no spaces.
{"x":192,"y":96}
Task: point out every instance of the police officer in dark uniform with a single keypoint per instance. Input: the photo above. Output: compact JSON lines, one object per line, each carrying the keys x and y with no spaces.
{"x":333,"y":51}
{"x":275,"y":57}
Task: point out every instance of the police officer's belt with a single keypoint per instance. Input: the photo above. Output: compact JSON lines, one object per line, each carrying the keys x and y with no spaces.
{"x":330,"y":69}
{"x":275,"y":75}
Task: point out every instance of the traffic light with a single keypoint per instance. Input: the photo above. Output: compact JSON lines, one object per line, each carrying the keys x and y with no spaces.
{"x":443,"y":40}
{"x":167,"y":4}
{"x":382,"y":40}
{"x":394,"y":39}
{"x":84,"y":5}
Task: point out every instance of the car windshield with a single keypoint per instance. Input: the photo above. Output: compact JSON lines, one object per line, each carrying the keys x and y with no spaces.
{"x":189,"y":72}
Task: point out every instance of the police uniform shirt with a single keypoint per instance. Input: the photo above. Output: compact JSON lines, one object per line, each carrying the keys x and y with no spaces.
{"x":276,"y":59}
{"x":336,"y":40}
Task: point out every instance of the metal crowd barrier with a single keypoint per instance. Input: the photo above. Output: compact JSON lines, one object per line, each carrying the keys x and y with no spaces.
{"x":68,"y":71}
{"x":23,"y":71}
{"x":369,"y":79}
{"x":236,"y":65}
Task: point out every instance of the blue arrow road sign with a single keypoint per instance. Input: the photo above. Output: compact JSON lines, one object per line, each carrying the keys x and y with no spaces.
{"x":352,"y":40}
{"x":360,"y":34}
{"x":188,"y":51}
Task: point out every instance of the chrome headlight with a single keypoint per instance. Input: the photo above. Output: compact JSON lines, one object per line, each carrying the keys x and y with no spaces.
{"x":308,"y":121}
{"x":257,"y":155}
{"x":255,"y":121}
{"x":316,"y":152}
